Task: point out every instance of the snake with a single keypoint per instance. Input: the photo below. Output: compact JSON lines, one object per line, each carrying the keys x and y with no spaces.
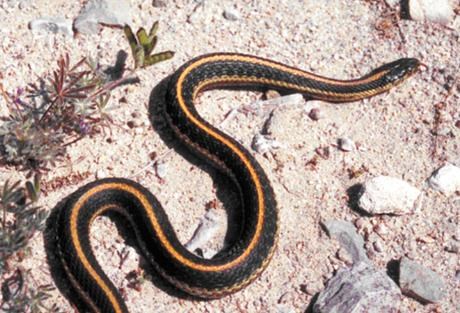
{"x":239,"y":263}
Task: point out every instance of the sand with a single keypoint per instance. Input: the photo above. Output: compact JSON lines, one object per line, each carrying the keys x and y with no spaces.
{"x":336,"y":38}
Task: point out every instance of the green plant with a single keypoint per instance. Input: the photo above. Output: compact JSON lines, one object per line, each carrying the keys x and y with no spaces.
{"x":62,"y":109}
{"x":19,"y":218}
{"x":142,"y":46}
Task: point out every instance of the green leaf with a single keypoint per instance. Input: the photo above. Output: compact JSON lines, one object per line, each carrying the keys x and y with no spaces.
{"x":158,"y":57}
{"x":131,"y":39}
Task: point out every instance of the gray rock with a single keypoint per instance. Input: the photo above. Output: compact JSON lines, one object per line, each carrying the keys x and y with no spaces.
{"x":159,"y":3}
{"x":446,"y":179}
{"x":384,"y":194}
{"x":110,"y":12}
{"x":52,"y":25}
{"x":420,"y":282}
{"x":349,"y":239}
{"x":361,"y":288}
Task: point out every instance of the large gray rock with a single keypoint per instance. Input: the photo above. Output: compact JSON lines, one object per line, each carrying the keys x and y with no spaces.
{"x":360,"y":289}
{"x":110,"y":12}
{"x":420,"y":282}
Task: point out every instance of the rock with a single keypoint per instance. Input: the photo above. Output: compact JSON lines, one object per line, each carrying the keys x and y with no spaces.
{"x":438,"y":11}
{"x":232,"y":14}
{"x":392,"y":3}
{"x":420,"y":282}
{"x":161,"y":169}
{"x":388,"y":195}
{"x":110,"y":12}
{"x":263,"y":144}
{"x":206,"y":230}
{"x":446,"y":179}
{"x":349,"y":239}
{"x":52,"y":25}
{"x":361,"y":288}
{"x":159,"y":3}
{"x":346,"y":144}
{"x":316,"y":114}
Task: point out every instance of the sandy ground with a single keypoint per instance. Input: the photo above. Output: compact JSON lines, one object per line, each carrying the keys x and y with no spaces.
{"x":336,"y":38}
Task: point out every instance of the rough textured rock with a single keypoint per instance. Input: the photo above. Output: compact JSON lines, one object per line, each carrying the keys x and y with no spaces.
{"x":384,"y":194}
{"x":446,"y":179}
{"x":110,"y":12}
{"x":53,"y":25}
{"x":420,"y":282}
{"x":361,"y":288}
{"x":350,"y":240}
{"x":439,"y":11}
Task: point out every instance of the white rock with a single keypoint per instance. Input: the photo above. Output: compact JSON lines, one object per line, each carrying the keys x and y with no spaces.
{"x":346,"y":144}
{"x":53,"y":25}
{"x":446,"y":179}
{"x":384,"y":194}
{"x":262,"y":144}
{"x":231,"y":14}
{"x":110,"y":12}
{"x":439,"y":11}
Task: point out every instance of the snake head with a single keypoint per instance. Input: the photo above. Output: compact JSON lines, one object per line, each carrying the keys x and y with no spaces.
{"x":399,"y":70}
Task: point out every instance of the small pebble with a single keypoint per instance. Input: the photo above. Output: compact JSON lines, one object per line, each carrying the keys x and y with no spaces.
{"x":161,"y":169}
{"x":438,"y":11}
{"x":346,"y":144}
{"x":388,"y":195}
{"x":100,"y":174}
{"x":232,"y":14}
{"x":378,"y":246}
{"x":263,"y":144}
{"x":457,"y":124}
{"x":159,"y":3}
{"x":446,"y":179}
{"x":52,"y":25}
{"x":316,"y":114}
{"x":420,"y":282}
{"x":453,"y":247}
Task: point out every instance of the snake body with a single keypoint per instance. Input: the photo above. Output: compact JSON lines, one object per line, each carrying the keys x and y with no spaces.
{"x":238,"y":265}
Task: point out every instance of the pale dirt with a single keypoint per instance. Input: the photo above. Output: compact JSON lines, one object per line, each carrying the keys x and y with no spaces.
{"x":336,"y":38}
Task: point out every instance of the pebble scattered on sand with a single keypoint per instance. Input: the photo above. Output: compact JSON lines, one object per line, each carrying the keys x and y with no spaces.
{"x":388,"y":195}
{"x":262,"y":144}
{"x":361,"y":288}
{"x":52,"y":25}
{"x":316,"y":114}
{"x":346,"y":144}
{"x":420,"y":282}
{"x":159,"y":3}
{"x":446,"y":179}
{"x":161,"y":169}
{"x":109,"y":12}
{"x":232,"y":14}
{"x":349,"y":239}
{"x":439,"y":11}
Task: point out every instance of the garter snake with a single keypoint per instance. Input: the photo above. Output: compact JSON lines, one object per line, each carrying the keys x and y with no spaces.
{"x":236,"y":266}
